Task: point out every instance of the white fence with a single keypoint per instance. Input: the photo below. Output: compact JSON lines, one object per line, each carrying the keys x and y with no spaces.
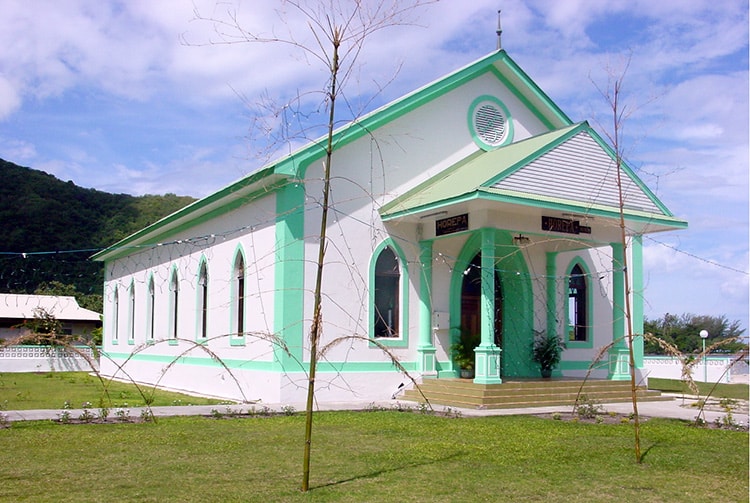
{"x":46,"y":359}
{"x":712,"y":369}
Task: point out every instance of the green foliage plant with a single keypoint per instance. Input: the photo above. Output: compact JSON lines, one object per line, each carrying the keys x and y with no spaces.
{"x":547,"y":351}
{"x":462,"y":350}
{"x":587,"y":408}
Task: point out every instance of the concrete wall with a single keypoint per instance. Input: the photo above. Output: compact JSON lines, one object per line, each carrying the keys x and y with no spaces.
{"x":46,"y":359}
{"x":715,"y":369}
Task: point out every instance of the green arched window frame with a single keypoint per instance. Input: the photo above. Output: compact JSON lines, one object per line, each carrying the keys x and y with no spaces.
{"x":115,"y":314}
{"x":150,"y":309}
{"x":201,"y":308}
{"x":174,"y":306}
{"x":238,"y":299}
{"x":578,"y":305}
{"x":401,"y":340}
{"x":131,"y":313}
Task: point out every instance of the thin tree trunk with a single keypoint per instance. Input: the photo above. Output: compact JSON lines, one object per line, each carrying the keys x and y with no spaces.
{"x":317,"y":323}
{"x":623,"y":238}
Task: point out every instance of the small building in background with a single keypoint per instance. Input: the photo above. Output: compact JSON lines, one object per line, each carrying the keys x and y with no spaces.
{"x":20,"y":312}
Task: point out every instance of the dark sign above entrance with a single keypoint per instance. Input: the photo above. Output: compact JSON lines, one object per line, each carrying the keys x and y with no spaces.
{"x":565,"y":225}
{"x":453,"y":224}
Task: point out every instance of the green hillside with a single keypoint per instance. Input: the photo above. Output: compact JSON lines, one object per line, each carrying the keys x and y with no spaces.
{"x":50,"y":228}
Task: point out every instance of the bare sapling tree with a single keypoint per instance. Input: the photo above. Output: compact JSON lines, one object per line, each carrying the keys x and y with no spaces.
{"x":620,"y":113}
{"x":339,"y":31}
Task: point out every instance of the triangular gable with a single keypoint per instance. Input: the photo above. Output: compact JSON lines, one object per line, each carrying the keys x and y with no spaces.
{"x":465,"y":178}
{"x":579,"y":169}
{"x":569,"y":168}
{"x":294,"y":165}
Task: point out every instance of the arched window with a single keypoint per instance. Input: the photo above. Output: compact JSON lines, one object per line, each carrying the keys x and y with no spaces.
{"x":150,"y":305}
{"x":116,"y":316}
{"x":386,"y":298}
{"x":203,"y":301}
{"x":577,"y":316}
{"x":238,"y":294}
{"x":174,"y":295}
{"x":131,"y":312}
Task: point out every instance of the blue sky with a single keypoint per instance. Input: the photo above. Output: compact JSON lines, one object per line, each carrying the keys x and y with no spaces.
{"x":130,"y":96}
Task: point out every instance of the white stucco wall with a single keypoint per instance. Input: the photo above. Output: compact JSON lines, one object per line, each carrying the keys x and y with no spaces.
{"x":366,"y":173}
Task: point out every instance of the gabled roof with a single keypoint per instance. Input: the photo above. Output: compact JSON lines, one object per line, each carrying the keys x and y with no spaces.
{"x":63,"y":308}
{"x":571,"y":168}
{"x":294,"y":165}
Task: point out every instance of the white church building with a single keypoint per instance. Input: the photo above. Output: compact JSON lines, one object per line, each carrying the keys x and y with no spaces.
{"x":471,"y":205}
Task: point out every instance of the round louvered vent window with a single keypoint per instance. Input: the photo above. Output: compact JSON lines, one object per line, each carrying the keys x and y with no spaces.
{"x":489,"y":122}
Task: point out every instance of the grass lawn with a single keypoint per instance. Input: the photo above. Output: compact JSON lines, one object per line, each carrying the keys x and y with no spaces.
{"x":371,"y":456}
{"x":50,"y":390}
{"x":722,"y":390}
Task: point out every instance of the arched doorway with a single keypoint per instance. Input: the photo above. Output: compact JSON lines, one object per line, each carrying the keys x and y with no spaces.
{"x":471,"y":296}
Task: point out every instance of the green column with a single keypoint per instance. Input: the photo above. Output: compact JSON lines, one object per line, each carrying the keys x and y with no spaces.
{"x":487,"y":354}
{"x":619,"y":367}
{"x":551,"y":293}
{"x":636,"y":271}
{"x":425,"y":347}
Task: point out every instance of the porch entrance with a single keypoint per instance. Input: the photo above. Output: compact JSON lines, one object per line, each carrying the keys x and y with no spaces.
{"x":471,"y":295}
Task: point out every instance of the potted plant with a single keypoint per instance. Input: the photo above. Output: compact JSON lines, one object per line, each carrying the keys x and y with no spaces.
{"x":463,"y":353}
{"x":547,"y":352}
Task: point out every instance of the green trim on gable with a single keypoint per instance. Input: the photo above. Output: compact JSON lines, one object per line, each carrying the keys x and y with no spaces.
{"x":530,"y":149}
{"x":474,"y":177}
{"x":294,"y":165}
{"x":471,"y":173}
{"x":537,"y":93}
{"x":155,"y":232}
{"x":630,"y":173}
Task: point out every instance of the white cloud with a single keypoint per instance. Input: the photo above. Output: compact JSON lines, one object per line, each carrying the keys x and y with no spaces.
{"x":17,"y":150}
{"x":10,"y":101}
{"x":174,"y":115}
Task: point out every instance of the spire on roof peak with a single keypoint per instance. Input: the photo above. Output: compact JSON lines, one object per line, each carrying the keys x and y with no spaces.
{"x":499,"y":32}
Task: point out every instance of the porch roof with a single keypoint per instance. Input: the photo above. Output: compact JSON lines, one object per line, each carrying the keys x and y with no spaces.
{"x":569,"y":169}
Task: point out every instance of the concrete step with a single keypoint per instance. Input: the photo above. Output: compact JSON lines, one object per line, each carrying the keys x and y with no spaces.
{"x":525,"y":393}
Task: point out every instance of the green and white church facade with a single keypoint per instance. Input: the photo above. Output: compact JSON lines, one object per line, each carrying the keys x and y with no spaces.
{"x":473,"y":205}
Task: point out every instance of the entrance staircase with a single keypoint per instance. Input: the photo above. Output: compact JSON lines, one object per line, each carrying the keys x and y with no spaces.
{"x":524,"y":393}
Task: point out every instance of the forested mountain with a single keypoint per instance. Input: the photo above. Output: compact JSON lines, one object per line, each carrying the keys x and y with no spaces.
{"x":50,"y":228}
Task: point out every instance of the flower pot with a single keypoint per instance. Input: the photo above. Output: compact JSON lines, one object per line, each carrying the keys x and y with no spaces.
{"x":467,"y":373}
{"x":546,"y":373}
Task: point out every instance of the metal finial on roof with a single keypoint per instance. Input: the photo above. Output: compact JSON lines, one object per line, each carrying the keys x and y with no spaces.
{"x":499,"y":32}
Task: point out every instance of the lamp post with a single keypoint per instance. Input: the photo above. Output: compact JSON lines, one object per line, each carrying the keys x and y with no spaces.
{"x":704,"y":336}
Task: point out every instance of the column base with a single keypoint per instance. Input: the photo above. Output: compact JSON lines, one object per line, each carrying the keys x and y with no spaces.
{"x":619,"y":364}
{"x":426,"y":361}
{"x":487,"y":365}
